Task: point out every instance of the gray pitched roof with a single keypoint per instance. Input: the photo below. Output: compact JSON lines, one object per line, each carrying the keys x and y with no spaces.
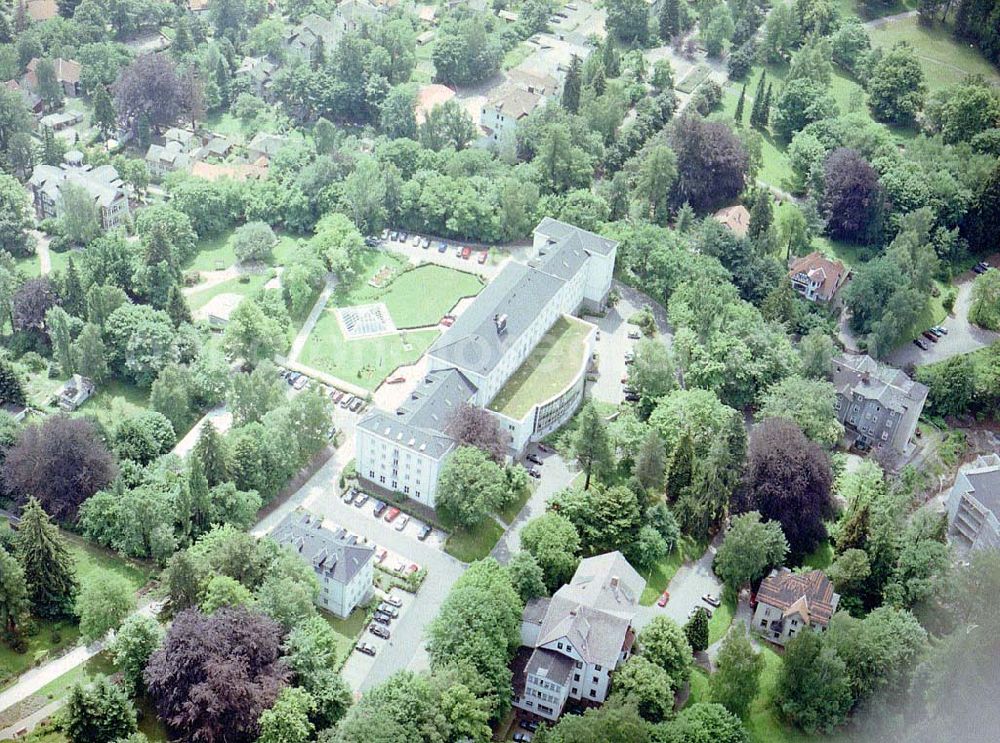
{"x":421,"y":422}
{"x":102,"y":183}
{"x":594,"y":610}
{"x":474,"y":342}
{"x":332,"y":554}
{"x":589,"y":241}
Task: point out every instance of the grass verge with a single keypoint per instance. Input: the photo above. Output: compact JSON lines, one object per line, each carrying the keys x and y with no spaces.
{"x":469,"y":545}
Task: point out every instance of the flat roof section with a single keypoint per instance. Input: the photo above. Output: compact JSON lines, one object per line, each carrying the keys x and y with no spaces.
{"x":548,"y":370}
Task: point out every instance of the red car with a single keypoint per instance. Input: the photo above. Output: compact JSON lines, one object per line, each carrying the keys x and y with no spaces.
{"x":466,"y":252}
{"x":391,"y":514}
{"x":447,"y":321}
{"x":483,"y":256}
{"x":664,"y":598}
{"x":396,"y":380}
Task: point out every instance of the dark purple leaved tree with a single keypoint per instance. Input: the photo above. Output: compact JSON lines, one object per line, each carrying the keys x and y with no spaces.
{"x":711,"y":163}
{"x":852,"y":197}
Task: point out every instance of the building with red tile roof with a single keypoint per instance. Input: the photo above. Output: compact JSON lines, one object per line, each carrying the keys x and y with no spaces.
{"x":787,"y":603}
{"x":816,"y":277}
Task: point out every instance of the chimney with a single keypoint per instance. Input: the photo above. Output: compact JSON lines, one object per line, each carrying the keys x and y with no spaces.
{"x":865,"y":377}
{"x":614,"y":581}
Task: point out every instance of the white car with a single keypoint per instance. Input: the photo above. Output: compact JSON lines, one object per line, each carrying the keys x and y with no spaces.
{"x":401,"y":522}
{"x":394,"y":601}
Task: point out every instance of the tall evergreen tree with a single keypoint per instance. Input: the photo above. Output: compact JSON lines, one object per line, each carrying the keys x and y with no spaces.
{"x":177,"y":306}
{"x":14,"y":603}
{"x":611,"y":60}
{"x":104,"y":111}
{"x":696,"y":630}
{"x":48,"y":565}
{"x":599,"y":82}
{"x":74,"y":301}
{"x":67,"y":7}
{"x":211,"y":450}
{"x":761,"y":215}
{"x":765,"y":110}
{"x":571,"y":87}
{"x":99,"y":711}
{"x":650,"y":464}
{"x":758,"y":100}
{"x":670,"y":19}
{"x":199,"y":494}
{"x":52,"y":148}
{"x":11,"y":386}
{"x":591,"y":444}
{"x":681,"y":470}
{"x":740,"y":104}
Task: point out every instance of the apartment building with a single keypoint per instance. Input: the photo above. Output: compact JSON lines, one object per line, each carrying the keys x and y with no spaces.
{"x":974,"y":505}
{"x":344,"y":566}
{"x":102,"y":183}
{"x":879,"y":406}
{"x":573,"y":642}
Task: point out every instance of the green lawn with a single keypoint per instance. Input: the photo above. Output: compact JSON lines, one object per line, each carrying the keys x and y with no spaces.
{"x":347,"y":630}
{"x":245,"y":286}
{"x":549,"y":368}
{"x":90,"y":559}
{"x":722,"y":617}
{"x":944,"y":60}
{"x":468,"y":545}
{"x":820,"y":558}
{"x":699,"y":691}
{"x":32,"y":267}
{"x":516,"y":55}
{"x":763,"y":723}
{"x":659,"y":576}
{"x":365,"y":361}
{"x":508,"y":514}
{"x":216,"y":253}
{"x":421,"y":297}
{"x":235,"y":129}
{"x":114,"y":401}
{"x":41,"y":642}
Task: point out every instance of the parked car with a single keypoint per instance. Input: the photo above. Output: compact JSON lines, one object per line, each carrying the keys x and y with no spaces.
{"x":292,"y":376}
{"x":401,"y":522}
{"x":412,"y":568}
{"x":394,"y":235}
{"x":482,"y":257}
{"x":711,"y":600}
{"x":356,"y":405}
{"x":385,"y":234}
{"x":930,"y":336}
{"x":442,"y":247}
{"x":380,"y":507}
{"x":347,"y":401}
{"x":448,"y":320}
{"x":425,"y":531}
{"x":634,"y":335}
{"x":366,"y":648}
{"x":631,"y":397}
{"x":533,"y":472}
{"x":403,"y":237}
{"x":349,"y":497}
{"x":533,"y":459}
{"x":361,"y":499}
{"x":380,"y":557}
{"x":391,"y":514}
{"x":382,"y":617}
{"x":466,"y":252}
{"x":921,"y":344}
{"x":371,"y":241}
{"x":941,"y":330}
{"x":544,"y":449}
{"x":664,"y":598}
{"x":393,"y":601}
{"x":521,"y":738}
{"x":425,"y":243}
{"x":301,"y":383}
{"x":389,"y":609}
{"x":379,"y":631}
{"x":530,"y":725}
{"x":981,"y":267}
{"x":396,"y":380}
{"x":416,"y":240}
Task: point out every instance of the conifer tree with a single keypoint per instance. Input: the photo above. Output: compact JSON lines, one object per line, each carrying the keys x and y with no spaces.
{"x":73,"y":299}
{"x":48,"y":565}
{"x":591,"y":444}
{"x":611,"y":60}
{"x":210,"y":449}
{"x":696,"y":630}
{"x":761,"y":215}
{"x":765,"y":110}
{"x":13,"y":592}
{"x":758,"y":100}
{"x":670,"y":19}
{"x":11,"y":386}
{"x":177,"y":306}
{"x":571,"y":87}
{"x":681,"y":470}
{"x":198,"y":491}
{"x":599,"y":82}
{"x":739,"y":106}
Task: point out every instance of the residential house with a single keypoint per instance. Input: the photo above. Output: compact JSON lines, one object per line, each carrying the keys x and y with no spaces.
{"x":59,"y":121}
{"x":344,"y":566}
{"x":430,"y":96}
{"x":551,"y":56}
{"x":974,"y":505}
{"x":15,"y":410}
{"x":734,"y":218}
{"x":402,"y":451}
{"x":257,"y":72}
{"x":67,"y":75}
{"x":505,"y":108}
{"x":879,"y":406}
{"x":185,"y":138}
{"x":41,"y":10}
{"x":102,"y":183}
{"x":232,"y":171}
{"x":353,"y":15}
{"x":313,"y":33}
{"x":198,"y":6}
{"x":574,"y":641}
{"x":788,"y":603}
{"x":265,"y":145}
{"x":166,"y":158}
{"x":816,"y":277}
{"x":216,"y":147}
{"x":31,"y":100}
{"x":75,"y":393}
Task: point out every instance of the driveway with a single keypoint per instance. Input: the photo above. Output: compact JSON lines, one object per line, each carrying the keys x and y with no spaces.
{"x":962,"y":337}
{"x":556,"y":475}
{"x":614,"y":341}
{"x":689,"y":584}
{"x":495,"y":263}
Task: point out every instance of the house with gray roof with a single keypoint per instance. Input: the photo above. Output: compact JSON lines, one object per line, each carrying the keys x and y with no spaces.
{"x":402,"y":451}
{"x":313,"y":33}
{"x":974,"y":505}
{"x":166,"y":158}
{"x":878,"y":405}
{"x":265,"y":145}
{"x":101,"y":183}
{"x":573,"y":642}
{"x":344,"y":565}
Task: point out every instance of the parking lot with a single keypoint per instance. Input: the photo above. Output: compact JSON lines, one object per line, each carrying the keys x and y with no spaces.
{"x":451,"y":257}
{"x":400,"y":522}
{"x":360,"y":664}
